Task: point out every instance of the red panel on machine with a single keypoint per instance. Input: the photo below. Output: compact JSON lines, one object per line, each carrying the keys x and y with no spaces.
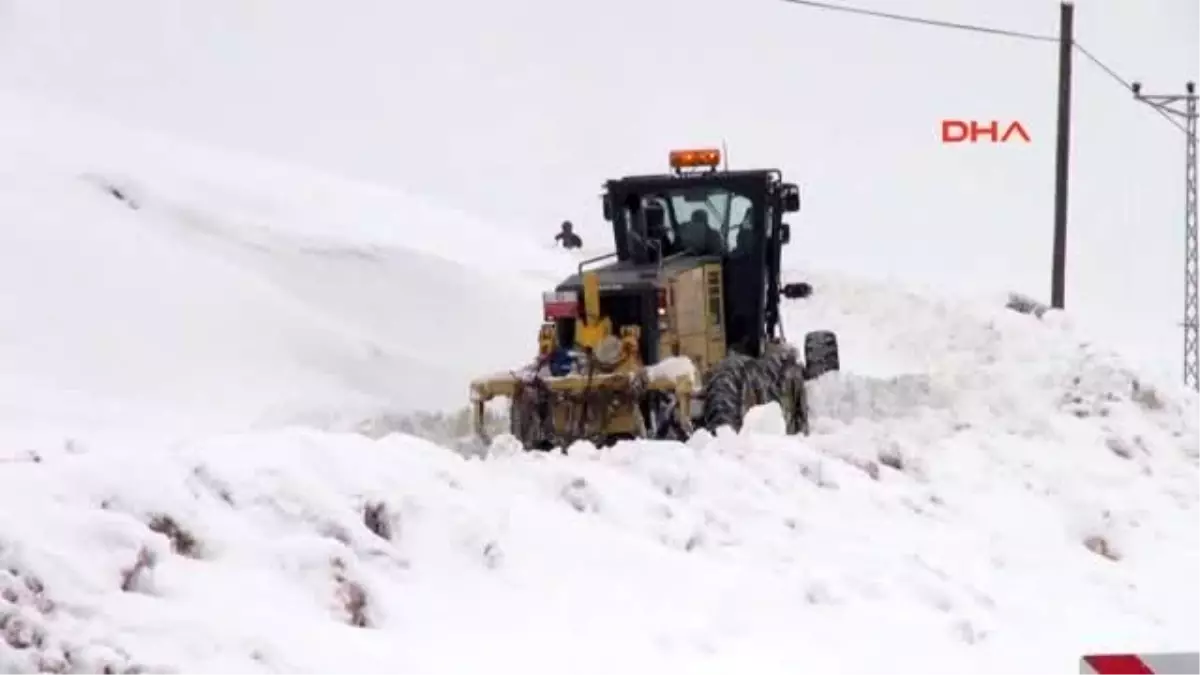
{"x":560,"y":305}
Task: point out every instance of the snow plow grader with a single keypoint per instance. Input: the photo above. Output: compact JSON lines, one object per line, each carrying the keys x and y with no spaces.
{"x":679,"y":328}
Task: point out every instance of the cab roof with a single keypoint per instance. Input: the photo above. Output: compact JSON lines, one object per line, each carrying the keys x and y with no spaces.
{"x":695,"y":178}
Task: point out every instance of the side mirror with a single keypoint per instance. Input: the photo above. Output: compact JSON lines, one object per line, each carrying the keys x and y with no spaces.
{"x":606,"y":200}
{"x":785,"y":233}
{"x":791,"y":199}
{"x":797,"y":290}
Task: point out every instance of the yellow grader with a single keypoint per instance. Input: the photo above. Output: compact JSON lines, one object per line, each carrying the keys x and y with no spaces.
{"x":679,"y":328}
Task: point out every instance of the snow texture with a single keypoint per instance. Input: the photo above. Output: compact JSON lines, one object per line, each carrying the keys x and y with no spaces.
{"x":674,"y":368}
{"x":201,"y":351}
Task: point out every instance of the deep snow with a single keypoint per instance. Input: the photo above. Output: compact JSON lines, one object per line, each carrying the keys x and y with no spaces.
{"x":983,"y":491}
{"x":753,"y":551}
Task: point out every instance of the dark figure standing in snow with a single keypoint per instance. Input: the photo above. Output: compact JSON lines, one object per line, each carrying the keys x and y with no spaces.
{"x":568,"y":237}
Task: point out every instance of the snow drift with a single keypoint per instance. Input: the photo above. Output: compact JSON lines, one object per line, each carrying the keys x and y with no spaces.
{"x":159,"y":278}
{"x":941,"y":546}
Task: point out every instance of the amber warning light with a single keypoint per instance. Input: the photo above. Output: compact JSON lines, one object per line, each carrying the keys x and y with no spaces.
{"x":687,"y":159}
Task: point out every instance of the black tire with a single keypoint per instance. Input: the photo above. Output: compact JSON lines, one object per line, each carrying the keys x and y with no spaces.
{"x":820,"y":354}
{"x":726,"y":394}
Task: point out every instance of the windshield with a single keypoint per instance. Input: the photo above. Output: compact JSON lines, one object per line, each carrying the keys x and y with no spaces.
{"x":706,"y":220}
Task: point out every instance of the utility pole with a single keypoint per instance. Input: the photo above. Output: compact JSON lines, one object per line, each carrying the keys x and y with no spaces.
{"x":1062,"y":155}
{"x":1168,"y":103}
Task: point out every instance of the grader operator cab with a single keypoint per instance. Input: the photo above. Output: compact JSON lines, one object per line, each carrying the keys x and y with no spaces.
{"x":680,"y":329}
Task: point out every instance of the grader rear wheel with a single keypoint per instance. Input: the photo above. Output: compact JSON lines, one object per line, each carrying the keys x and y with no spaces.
{"x":821,"y":354}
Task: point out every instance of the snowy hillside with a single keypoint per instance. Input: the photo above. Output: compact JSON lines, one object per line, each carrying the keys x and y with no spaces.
{"x":517,"y":110}
{"x":151,"y":279}
{"x":983,"y":491}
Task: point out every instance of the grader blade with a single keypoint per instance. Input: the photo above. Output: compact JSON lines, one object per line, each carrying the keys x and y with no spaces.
{"x":549,"y":412}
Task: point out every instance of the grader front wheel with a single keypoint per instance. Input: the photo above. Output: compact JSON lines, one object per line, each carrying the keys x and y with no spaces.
{"x":528,"y":416}
{"x":738,"y":383}
{"x":728,"y":395}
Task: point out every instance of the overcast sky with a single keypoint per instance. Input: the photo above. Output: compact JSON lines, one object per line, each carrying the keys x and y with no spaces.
{"x":519,"y":110}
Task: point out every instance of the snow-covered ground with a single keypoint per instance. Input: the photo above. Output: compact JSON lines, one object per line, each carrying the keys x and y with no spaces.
{"x":983,"y":491}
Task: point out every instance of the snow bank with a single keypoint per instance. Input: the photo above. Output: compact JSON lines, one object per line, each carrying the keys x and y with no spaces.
{"x":962,"y":529}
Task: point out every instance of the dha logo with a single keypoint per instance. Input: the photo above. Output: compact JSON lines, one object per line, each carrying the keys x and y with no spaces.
{"x":970,"y":131}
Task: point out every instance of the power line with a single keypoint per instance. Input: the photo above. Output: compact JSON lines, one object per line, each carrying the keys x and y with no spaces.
{"x":925,"y":21}
{"x":980,"y":29}
{"x":1162,"y":105}
{"x":1128,"y":86}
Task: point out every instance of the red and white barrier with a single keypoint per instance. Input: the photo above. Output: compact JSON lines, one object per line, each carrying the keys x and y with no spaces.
{"x":1139,"y":664}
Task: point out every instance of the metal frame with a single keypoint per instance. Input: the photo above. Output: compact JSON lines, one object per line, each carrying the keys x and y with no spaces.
{"x":1168,"y":103}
